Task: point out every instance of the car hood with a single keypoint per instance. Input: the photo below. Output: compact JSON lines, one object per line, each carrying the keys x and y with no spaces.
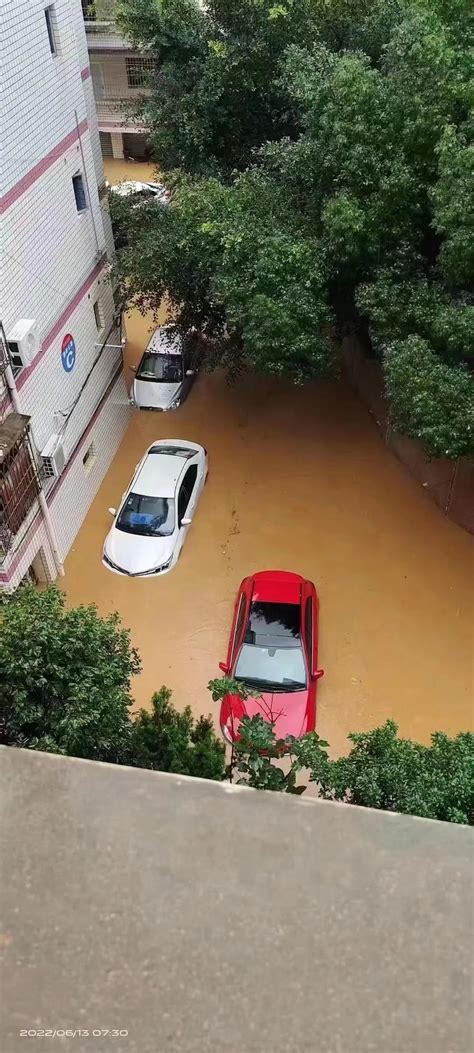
{"x":157,"y":394}
{"x":288,"y":711}
{"x":135,"y":554}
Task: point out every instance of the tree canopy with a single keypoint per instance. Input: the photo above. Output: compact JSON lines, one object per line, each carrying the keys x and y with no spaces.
{"x":64,"y":676}
{"x":320,"y":157}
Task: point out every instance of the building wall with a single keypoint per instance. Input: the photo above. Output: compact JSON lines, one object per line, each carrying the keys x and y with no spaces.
{"x":55,"y":262}
{"x":108,"y":55}
{"x":74,"y":492}
{"x":70,"y":498}
{"x":112,"y":91}
{"x":40,"y":91}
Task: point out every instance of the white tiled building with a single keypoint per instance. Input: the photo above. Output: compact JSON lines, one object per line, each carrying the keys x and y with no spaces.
{"x":119,"y":77}
{"x":57,"y":245}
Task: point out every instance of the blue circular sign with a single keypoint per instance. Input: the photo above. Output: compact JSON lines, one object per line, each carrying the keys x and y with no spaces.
{"x":68,"y":352}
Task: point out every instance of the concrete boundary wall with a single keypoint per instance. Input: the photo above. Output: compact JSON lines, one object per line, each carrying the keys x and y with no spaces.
{"x":450,"y":483}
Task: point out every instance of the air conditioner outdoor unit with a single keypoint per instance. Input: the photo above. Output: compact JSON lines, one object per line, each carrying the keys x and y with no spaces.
{"x":23,"y":342}
{"x":53,"y":457}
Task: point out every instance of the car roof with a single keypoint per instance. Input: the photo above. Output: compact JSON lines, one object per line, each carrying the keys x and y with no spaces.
{"x":160,"y":473}
{"x":128,"y":186}
{"x":165,"y":345}
{"x":134,"y":186}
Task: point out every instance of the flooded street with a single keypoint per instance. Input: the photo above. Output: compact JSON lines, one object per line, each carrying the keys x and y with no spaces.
{"x":299,"y":479}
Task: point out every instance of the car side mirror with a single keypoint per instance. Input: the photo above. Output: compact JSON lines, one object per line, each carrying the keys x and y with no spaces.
{"x":186,"y":521}
{"x":224,"y":667}
{"x":133,"y":369}
{"x":318,"y":674}
{"x":113,"y":511}
{"x":190,"y":372}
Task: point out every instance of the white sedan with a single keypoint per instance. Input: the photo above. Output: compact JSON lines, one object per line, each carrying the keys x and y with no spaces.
{"x":157,"y":510}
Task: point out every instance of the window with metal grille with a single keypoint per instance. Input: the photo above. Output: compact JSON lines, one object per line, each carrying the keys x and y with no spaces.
{"x":88,"y":10}
{"x":79,"y":192}
{"x":19,"y":482}
{"x":138,"y":71}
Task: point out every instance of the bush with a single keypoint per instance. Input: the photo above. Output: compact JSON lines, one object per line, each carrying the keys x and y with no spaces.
{"x":398,"y":775}
{"x":430,"y":400}
{"x":167,"y":740}
{"x":64,"y":677}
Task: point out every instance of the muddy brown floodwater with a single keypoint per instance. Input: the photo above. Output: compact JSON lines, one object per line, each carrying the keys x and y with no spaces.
{"x":299,"y":479}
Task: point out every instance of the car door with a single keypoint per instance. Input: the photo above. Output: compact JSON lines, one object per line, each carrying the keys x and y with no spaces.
{"x":309,"y":632}
{"x":310,"y":610}
{"x":187,"y":499}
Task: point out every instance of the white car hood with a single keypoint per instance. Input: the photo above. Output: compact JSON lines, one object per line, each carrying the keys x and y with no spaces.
{"x":158,"y":395}
{"x":136,"y":554}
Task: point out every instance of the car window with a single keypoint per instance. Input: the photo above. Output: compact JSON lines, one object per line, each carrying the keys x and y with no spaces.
{"x":190,"y":478}
{"x":183,"y":501}
{"x":277,"y":623}
{"x":148,"y":516}
{"x":160,"y":367}
{"x":186,"y":489}
{"x":308,"y":630}
{"x":171,"y":451}
{"x":272,"y":655}
{"x":239,"y":622}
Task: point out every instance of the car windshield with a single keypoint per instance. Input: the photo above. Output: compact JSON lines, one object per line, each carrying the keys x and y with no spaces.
{"x":168,"y":368}
{"x":272,"y":657}
{"x":148,"y":516}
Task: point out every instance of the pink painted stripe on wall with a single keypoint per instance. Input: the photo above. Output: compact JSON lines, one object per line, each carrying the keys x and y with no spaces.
{"x":23,"y":185}
{"x":63,"y":318}
{"x":85,"y":73}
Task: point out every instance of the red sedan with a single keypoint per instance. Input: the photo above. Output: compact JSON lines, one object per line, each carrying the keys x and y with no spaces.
{"x":273,"y":651}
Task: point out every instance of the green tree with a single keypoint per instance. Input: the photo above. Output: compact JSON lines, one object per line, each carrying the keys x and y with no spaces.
{"x":64,"y":677}
{"x":232,"y":263}
{"x":338,"y":141}
{"x":385,"y":771}
{"x":430,"y":400}
{"x":216,"y":92}
{"x":453,"y":201}
{"x":166,"y":740}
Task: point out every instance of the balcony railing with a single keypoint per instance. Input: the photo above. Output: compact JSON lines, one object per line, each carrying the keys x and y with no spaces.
{"x":19,"y":479}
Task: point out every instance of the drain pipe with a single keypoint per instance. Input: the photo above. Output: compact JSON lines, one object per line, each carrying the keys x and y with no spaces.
{"x":48,"y":522}
{"x":13,"y":392}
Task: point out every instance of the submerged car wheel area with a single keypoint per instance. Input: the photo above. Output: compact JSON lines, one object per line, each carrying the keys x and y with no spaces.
{"x":163,"y":376}
{"x":156,"y":511}
{"x":273,"y":652}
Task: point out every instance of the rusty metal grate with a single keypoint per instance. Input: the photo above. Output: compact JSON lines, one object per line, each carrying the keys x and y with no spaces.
{"x":19,"y":479}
